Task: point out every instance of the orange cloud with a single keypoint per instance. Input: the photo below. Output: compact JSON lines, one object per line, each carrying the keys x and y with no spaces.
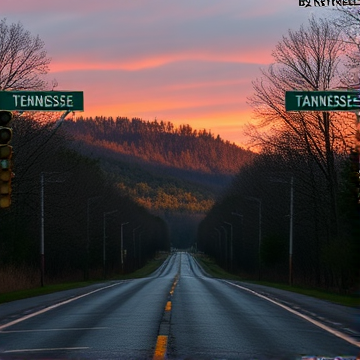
{"x":141,"y":63}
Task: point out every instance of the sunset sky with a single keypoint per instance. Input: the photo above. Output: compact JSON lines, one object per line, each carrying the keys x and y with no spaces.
{"x":184,"y":61}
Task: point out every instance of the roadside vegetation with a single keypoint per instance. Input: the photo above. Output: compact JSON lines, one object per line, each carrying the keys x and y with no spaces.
{"x":213,"y":269}
{"x":300,"y":195}
{"x":146,"y":270}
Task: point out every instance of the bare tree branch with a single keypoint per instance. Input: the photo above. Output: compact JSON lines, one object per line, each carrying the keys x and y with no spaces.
{"x":23,"y":59}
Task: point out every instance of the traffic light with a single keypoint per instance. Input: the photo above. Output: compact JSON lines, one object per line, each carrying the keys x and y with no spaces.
{"x":5,"y":159}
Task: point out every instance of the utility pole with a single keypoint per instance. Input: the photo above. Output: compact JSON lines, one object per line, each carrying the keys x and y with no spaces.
{"x":104,"y":241}
{"x":291,"y":215}
{"x":42,"y":222}
{"x":122,"y":247}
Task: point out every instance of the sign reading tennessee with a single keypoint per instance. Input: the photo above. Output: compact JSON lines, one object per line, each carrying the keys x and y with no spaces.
{"x":42,"y":100}
{"x":333,"y":100}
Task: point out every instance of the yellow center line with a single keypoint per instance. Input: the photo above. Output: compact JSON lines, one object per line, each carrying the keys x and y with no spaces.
{"x":168,"y":306}
{"x":161,"y":345}
{"x":162,"y":340}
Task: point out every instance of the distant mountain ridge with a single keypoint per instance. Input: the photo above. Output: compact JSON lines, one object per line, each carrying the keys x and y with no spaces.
{"x":163,"y":167}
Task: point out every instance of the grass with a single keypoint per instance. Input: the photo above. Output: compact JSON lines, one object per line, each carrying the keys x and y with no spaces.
{"x":47,"y":289}
{"x":216,"y":271}
{"x":149,"y":268}
{"x":209,"y":266}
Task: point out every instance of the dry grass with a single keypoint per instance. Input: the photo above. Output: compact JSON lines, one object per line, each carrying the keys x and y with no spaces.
{"x":18,"y":278}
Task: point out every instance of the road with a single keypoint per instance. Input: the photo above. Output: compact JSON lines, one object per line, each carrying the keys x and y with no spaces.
{"x":177,"y":313}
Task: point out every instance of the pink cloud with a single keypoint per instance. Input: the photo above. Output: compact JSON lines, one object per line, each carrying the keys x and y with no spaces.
{"x":245,"y":57}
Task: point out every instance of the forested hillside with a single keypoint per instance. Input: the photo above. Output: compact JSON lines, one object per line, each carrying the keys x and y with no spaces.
{"x":176,"y":172}
{"x":161,"y":166}
{"x":162,"y":143}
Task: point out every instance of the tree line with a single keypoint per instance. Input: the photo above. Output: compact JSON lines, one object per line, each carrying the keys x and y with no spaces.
{"x":306,"y":159}
{"x":84,"y":213}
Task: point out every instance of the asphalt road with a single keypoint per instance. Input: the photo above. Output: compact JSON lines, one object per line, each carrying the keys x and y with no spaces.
{"x":177,"y":313}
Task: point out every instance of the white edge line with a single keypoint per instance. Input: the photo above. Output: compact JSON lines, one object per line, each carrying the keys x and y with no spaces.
{"x":315,"y":322}
{"x":53,"y":307}
{"x":45,"y":349}
{"x":45,"y":330}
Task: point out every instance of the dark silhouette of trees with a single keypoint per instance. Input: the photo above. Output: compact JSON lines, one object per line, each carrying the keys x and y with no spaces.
{"x":318,"y":259}
{"x":307,"y":59}
{"x":313,"y":149}
{"x":73,"y":226}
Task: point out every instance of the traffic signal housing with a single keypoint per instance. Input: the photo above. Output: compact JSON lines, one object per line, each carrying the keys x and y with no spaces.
{"x":5,"y":158}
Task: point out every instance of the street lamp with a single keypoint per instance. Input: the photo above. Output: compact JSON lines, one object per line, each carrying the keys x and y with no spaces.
{"x":291,"y":224}
{"x":259,"y":202}
{"x":122,"y":247}
{"x":104,"y":239}
{"x":42,"y":222}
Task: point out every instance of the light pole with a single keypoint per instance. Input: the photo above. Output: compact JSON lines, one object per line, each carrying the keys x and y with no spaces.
{"x":259,"y":255}
{"x":42,"y":222}
{"x":104,"y":240}
{"x":291,"y":224}
{"x":122,"y":247}
{"x":89,"y":200}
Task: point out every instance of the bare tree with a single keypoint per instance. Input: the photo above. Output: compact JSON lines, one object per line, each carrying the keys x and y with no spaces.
{"x":348,"y":20}
{"x":307,"y":59}
{"x":23,"y":59}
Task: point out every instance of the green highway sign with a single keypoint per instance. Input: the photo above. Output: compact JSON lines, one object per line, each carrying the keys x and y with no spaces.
{"x":334,"y":100}
{"x":42,"y":100}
